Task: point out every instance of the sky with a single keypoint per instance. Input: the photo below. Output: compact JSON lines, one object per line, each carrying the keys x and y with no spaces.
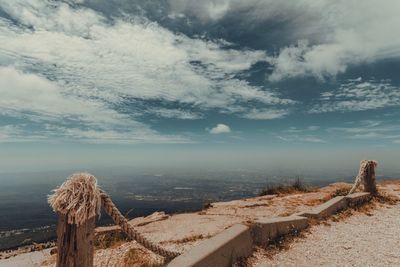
{"x":185,"y":82}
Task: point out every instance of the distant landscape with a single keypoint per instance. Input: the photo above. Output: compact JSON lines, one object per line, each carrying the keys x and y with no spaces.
{"x":25,"y":216}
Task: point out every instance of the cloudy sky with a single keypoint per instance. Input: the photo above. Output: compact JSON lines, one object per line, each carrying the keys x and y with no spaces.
{"x":119,"y":79}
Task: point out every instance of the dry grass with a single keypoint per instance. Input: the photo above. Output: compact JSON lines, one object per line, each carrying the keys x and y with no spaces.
{"x":282,"y":242}
{"x":296,"y":186}
{"x":110,"y":240}
{"x":385,"y":198}
{"x":137,"y":257}
{"x":341,"y":191}
{"x":242,"y":262}
{"x":256,"y":205}
{"x":187,"y":239}
{"x":207,"y":205}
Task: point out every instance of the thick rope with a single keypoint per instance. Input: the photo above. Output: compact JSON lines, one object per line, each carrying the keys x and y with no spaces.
{"x":80,"y":199}
{"x":119,"y":219}
{"x":362,"y":173}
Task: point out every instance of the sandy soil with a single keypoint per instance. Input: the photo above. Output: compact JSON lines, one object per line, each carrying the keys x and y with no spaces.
{"x":180,"y":232}
{"x":371,"y":239}
{"x":26,"y":259}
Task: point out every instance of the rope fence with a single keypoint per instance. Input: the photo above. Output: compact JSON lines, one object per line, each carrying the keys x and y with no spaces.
{"x":78,"y":202}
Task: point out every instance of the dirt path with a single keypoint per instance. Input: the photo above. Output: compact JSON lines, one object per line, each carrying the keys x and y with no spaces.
{"x":362,"y":240}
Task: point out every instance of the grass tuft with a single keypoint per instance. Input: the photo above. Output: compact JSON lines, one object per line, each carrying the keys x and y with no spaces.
{"x":110,"y":239}
{"x":296,"y":186}
{"x":136,"y":257}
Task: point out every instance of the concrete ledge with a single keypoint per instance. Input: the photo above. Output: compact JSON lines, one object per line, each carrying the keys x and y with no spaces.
{"x":267,"y":229}
{"x":218,"y":251}
{"x":326,"y":209}
{"x":356,"y":199}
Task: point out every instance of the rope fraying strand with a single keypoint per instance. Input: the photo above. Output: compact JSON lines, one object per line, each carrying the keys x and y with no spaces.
{"x":78,"y":198}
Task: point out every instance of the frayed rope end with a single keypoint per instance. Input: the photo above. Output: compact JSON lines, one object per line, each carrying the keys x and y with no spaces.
{"x":78,"y":198}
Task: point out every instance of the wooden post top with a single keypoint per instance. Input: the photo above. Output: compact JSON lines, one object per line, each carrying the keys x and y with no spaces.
{"x":78,"y":198}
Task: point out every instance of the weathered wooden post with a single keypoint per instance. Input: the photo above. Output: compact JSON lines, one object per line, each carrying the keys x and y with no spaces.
{"x":366,"y":174}
{"x":369,"y":178}
{"x":77,"y":202}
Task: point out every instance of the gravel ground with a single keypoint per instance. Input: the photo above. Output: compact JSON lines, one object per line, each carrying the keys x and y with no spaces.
{"x":361,"y":240}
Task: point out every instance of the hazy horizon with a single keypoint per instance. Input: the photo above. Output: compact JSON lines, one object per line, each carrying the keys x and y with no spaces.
{"x":293,"y":161}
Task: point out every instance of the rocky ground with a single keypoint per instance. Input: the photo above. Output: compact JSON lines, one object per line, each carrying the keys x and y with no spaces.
{"x":180,"y":232}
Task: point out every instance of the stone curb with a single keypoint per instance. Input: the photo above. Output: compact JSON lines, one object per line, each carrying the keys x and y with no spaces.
{"x":326,"y":209}
{"x":237,"y":241}
{"x":356,"y":199}
{"x":267,"y":229}
{"x":219,"y":251}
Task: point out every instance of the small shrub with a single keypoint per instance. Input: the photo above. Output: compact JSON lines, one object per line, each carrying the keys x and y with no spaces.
{"x":110,"y":239}
{"x":297,"y":185}
{"x":138,"y":258}
{"x":207,"y":205}
{"x":343,"y":191}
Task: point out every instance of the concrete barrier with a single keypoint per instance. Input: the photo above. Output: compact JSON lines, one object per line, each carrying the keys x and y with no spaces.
{"x":356,"y":199}
{"x":326,"y":209}
{"x":268,"y":229}
{"x":218,"y":251}
{"x":237,"y":241}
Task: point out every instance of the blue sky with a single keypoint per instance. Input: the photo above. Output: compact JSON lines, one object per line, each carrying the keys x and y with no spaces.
{"x":86,"y":78}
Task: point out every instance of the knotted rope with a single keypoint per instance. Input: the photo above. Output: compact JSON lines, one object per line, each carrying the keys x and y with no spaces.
{"x":80,"y":199}
{"x":362,"y":173}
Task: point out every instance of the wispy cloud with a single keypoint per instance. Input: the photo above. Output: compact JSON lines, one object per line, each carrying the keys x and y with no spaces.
{"x":370,"y":130}
{"x":301,"y":138}
{"x":265,"y":114}
{"x":175,"y":113}
{"x":357,"y":95}
{"x":84,"y":68}
{"x":318,"y":38}
{"x":307,"y":134}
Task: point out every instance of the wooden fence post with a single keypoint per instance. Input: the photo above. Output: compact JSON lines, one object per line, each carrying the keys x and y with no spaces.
{"x":75,"y":244}
{"x":77,"y":202}
{"x":369,"y":179}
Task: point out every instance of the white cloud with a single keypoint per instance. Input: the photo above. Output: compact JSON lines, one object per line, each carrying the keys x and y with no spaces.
{"x":42,"y":102}
{"x":301,"y":138}
{"x":26,"y":95}
{"x":219,"y":129}
{"x":111,"y":136}
{"x":129,"y":58}
{"x":339,"y":33}
{"x":71,"y":67}
{"x":358,"y":96}
{"x":265,"y":114}
{"x":176,"y":114}
{"x":295,"y":134}
{"x":354,"y":32}
{"x":370,"y":130}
